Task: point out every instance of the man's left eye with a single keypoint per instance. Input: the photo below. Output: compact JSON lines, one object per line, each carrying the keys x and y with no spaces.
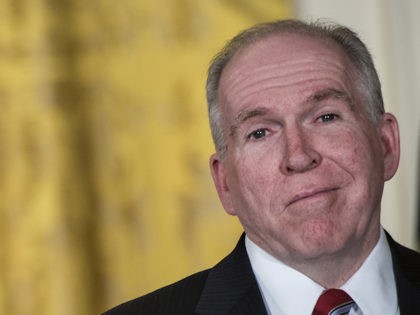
{"x":328,"y":117}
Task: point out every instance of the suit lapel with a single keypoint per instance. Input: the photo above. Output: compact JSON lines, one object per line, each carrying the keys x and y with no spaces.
{"x":231,"y":287}
{"x":406,"y":264}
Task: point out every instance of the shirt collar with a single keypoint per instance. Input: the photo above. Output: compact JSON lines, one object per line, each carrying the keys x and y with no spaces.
{"x":286,"y":291}
{"x":375,"y":281}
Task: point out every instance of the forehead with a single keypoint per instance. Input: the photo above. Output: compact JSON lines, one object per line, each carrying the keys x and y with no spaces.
{"x":283,"y":59}
{"x":277,"y":48}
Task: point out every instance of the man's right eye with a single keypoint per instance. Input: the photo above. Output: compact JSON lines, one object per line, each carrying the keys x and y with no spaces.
{"x":257,"y":134}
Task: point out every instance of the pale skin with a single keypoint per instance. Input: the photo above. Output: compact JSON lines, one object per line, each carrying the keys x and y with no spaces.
{"x":305,"y":166}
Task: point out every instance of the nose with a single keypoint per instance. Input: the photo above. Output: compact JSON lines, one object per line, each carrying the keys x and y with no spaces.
{"x":299,"y":153}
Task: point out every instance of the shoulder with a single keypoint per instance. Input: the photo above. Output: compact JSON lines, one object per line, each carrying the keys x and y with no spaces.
{"x":178,"y":298}
{"x":405,"y":254}
{"x":406,"y":261}
{"x":229,"y":285}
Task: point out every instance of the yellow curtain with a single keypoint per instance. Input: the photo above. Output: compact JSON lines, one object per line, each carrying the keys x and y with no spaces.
{"x":105,"y":192}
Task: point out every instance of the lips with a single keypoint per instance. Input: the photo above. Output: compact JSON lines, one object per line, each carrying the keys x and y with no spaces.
{"x":309,"y":194}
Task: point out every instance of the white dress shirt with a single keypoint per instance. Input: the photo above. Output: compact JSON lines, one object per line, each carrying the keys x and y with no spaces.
{"x":286,"y":291}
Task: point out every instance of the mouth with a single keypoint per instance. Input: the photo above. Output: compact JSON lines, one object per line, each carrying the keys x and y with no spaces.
{"x":310,"y":194}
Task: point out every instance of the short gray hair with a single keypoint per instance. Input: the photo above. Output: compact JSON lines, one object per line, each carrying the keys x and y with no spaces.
{"x":368,"y":84}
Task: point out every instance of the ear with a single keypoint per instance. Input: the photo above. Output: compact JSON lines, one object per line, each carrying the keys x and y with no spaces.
{"x":390,"y":139}
{"x":219,"y":174}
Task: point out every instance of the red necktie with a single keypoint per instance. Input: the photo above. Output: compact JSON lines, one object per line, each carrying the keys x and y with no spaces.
{"x":333,"y":302}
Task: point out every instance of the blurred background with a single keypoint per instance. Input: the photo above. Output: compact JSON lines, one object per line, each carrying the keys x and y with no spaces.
{"x":105,"y":192}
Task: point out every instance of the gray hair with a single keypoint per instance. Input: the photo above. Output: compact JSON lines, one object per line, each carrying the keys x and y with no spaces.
{"x":368,"y":84}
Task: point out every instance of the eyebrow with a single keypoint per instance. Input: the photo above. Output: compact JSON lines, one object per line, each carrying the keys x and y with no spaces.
{"x":246,"y":114}
{"x":321,"y":95}
{"x":317,"y":97}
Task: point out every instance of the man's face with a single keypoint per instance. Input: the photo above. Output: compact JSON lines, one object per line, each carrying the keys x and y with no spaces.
{"x":305,"y":167}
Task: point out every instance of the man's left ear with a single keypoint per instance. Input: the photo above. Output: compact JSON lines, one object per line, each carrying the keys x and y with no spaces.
{"x":390,"y":140}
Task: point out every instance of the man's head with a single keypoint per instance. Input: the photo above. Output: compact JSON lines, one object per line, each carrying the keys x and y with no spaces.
{"x":368,"y":82}
{"x":303,"y":143}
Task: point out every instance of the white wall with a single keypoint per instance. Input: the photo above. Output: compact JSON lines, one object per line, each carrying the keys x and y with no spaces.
{"x":391,"y":29}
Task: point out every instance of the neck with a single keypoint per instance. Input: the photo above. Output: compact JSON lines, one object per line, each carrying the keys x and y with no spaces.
{"x":334,"y":270}
{"x":331,"y":269}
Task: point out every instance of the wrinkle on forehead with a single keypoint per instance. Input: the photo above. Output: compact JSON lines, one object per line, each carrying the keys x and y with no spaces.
{"x":285,"y":46}
{"x":280,"y":62}
{"x":242,"y":84}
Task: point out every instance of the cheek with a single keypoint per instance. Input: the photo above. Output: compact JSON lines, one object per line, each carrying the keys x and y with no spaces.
{"x":359,"y":156}
{"x":353,"y":152}
{"x":251,"y":181}
{"x":247,"y":180}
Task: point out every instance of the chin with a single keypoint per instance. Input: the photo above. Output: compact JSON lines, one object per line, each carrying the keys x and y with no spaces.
{"x":318,"y":242}
{"x":313,"y":251}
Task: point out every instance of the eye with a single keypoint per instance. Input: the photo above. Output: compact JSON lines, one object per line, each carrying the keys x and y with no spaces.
{"x":257,"y":134}
{"x":327,"y":117}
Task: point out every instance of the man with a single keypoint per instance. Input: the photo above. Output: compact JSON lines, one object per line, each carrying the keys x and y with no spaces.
{"x":303,"y":148}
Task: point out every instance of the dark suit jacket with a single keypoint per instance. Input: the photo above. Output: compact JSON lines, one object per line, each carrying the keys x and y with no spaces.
{"x":230,"y":287}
